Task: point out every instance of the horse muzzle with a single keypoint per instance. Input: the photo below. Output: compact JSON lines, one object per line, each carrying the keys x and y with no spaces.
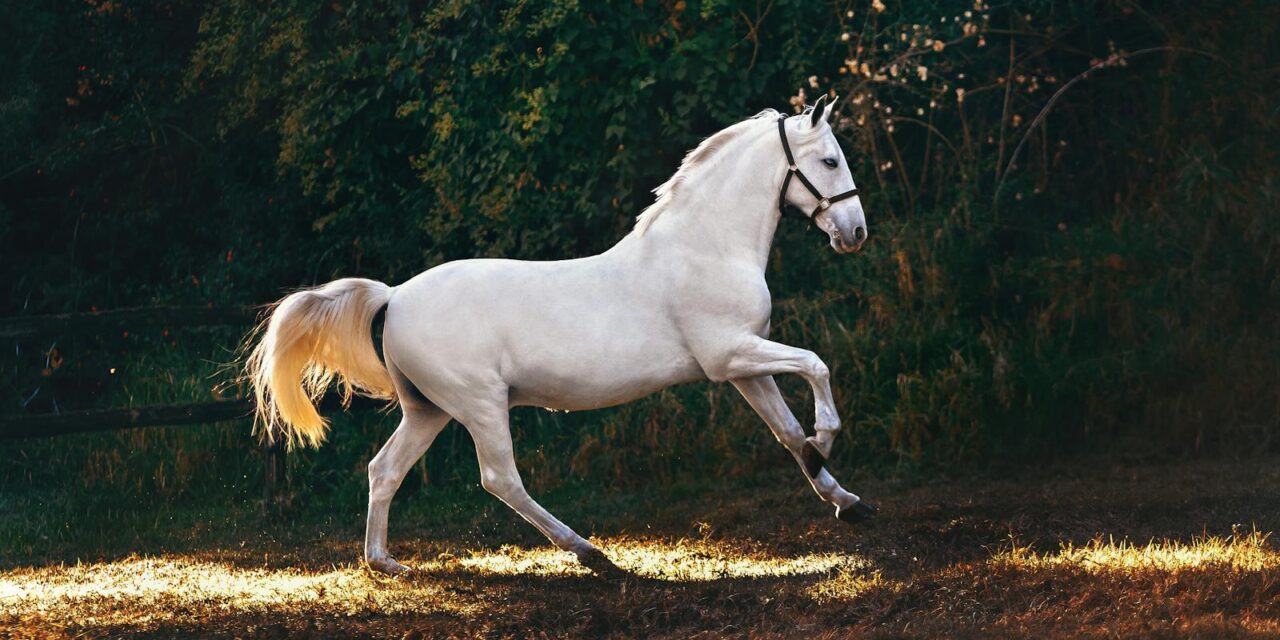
{"x":850,"y":242}
{"x":847,"y":236}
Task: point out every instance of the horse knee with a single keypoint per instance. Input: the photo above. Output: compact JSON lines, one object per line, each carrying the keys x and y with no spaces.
{"x":817,"y":368}
{"x":829,"y":424}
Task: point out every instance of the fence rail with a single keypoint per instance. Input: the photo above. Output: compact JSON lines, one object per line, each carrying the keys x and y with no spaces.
{"x":42,"y":425}
{"x":32,"y":425}
{"x":100,"y":321}
{"x":55,"y":424}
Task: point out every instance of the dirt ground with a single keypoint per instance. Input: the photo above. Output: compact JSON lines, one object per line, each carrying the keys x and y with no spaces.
{"x":1084,"y":550}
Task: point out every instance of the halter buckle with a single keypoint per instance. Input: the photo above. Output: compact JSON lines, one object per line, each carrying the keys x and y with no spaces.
{"x":792,"y":167}
{"x":824,"y":204}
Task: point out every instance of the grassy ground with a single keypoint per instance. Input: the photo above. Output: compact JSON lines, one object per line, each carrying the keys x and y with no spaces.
{"x":1098,"y":549}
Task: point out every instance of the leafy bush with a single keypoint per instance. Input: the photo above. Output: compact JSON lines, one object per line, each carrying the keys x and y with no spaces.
{"x":1115,"y":281}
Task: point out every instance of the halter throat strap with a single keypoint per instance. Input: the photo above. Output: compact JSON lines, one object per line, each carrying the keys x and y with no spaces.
{"x":824,"y":202}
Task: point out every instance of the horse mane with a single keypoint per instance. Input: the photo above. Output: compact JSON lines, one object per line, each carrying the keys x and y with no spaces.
{"x":666,"y":191}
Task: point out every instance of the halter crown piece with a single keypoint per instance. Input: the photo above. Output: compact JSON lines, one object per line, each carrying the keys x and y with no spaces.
{"x":824,"y":202}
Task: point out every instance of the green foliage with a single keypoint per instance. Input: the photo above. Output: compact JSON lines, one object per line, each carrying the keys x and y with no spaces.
{"x":1115,"y":282}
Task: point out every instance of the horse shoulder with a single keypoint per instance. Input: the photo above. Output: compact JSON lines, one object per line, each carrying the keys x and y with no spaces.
{"x":720,"y":310}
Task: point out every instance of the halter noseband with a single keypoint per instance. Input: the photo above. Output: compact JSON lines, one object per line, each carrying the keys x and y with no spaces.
{"x":824,"y":202}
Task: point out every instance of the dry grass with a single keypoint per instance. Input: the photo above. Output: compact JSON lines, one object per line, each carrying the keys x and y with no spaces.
{"x":1150,"y":551}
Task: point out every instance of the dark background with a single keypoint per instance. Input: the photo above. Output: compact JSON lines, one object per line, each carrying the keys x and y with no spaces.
{"x":1112,"y":288}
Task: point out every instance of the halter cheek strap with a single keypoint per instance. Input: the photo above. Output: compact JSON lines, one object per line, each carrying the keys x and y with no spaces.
{"x":824,"y":202}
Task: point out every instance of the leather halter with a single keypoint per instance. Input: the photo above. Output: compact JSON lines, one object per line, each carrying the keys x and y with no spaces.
{"x":824,"y":202}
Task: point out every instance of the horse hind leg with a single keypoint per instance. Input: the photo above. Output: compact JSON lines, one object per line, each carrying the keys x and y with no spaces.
{"x":490,"y":429}
{"x":421,"y":423}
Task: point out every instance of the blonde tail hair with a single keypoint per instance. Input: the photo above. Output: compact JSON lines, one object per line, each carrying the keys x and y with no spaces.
{"x":309,"y":338}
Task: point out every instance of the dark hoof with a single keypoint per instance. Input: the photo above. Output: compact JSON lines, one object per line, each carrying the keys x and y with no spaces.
{"x":600,"y":564}
{"x":857,"y":512}
{"x":812,"y":459}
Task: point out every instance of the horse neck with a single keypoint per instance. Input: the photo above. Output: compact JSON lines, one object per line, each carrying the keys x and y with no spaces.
{"x":729,"y":208}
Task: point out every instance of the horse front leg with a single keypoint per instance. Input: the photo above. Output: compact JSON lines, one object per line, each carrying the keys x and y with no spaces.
{"x":762,"y":394}
{"x":759,"y":357}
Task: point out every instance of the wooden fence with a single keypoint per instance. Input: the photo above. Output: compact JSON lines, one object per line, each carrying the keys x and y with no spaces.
{"x":36,"y":425}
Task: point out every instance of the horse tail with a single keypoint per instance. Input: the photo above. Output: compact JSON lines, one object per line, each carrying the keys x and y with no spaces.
{"x":308,"y":339}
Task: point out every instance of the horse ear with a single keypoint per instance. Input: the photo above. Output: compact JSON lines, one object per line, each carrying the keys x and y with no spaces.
{"x":819,"y":112}
{"x":831,"y":109}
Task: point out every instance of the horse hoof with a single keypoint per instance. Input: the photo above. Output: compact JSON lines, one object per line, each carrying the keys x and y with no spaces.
{"x":387,"y":566}
{"x":857,"y":512}
{"x":600,"y":564}
{"x":812,"y":459}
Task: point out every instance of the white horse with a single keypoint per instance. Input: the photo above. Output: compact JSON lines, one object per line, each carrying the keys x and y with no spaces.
{"x":681,"y":298}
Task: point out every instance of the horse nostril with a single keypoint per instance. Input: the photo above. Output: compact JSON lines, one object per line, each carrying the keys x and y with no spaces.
{"x":859,"y":234}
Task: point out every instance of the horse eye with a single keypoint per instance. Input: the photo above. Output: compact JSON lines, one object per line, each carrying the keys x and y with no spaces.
{"x":831,"y":162}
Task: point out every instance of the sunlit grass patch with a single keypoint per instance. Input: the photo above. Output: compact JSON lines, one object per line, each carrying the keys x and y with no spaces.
{"x":680,"y":560}
{"x":143,"y":590}
{"x":851,"y":584}
{"x":1248,"y":552}
{"x":139,"y":592}
{"x":1207,"y":586}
